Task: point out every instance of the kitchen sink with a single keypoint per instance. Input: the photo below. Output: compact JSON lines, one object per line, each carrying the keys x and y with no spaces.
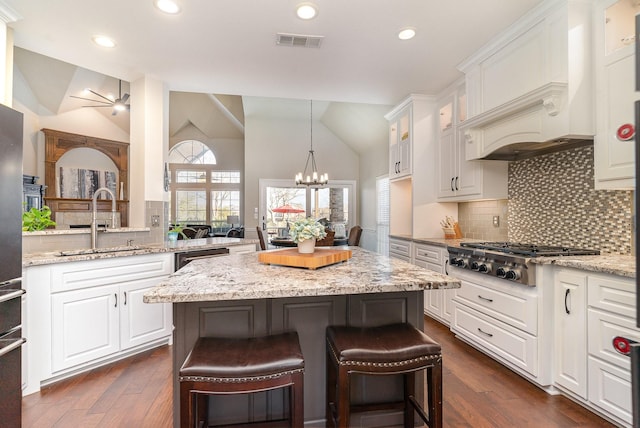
{"x":100,"y":250}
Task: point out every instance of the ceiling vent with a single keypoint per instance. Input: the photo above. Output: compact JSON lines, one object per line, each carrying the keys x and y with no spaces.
{"x":299,"y":40}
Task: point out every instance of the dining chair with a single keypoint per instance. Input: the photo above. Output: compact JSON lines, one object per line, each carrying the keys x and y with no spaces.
{"x":327,"y":241}
{"x":354,"y":236}
{"x":263,"y":244}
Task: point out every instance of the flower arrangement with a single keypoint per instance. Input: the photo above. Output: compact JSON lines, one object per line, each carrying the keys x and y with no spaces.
{"x":307,"y":228}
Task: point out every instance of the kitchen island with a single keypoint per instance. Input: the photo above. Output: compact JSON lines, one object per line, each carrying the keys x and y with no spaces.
{"x":242,"y":298}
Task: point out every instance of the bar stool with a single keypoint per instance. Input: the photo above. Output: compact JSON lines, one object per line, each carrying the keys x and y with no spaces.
{"x":385,"y":350}
{"x":240,"y":366}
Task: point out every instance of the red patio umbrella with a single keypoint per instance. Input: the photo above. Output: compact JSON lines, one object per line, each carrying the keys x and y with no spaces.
{"x":287,"y":209}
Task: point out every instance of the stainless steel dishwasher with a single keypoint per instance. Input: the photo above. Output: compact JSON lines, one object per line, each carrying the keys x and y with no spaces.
{"x":185,"y":257}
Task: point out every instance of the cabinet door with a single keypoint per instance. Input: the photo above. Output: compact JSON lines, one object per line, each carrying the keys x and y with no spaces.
{"x":404,"y":157}
{"x":615,"y":92}
{"x":393,"y":149}
{"x":85,"y":326}
{"x":570,"y":309}
{"x":468,"y":178}
{"x":446,"y":165}
{"x":142,"y":322}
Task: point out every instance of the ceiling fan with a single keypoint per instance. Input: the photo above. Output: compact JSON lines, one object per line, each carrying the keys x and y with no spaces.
{"x":119,"y":104}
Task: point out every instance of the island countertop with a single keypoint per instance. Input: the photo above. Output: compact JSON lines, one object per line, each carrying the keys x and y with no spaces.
{"x":242,"y":276}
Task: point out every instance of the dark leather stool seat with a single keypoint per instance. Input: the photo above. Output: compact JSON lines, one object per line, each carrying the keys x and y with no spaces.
{"x":385,"y":350}
{"x":240,"y":366}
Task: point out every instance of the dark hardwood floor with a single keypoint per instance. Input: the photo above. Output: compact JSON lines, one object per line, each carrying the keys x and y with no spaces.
{"x":136,"y":392}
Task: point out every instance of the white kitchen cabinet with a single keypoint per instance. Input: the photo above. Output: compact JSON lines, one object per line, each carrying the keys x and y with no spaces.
{"x":437,"y":303}
{"x":614,"y":22}
{"x":97,"y":308}
{"x":400,"y":249}
{"x":586,"y":365}
{"x":85,"y":326}
{"x":570,"y":340}
{"x":532,"y":83}
{"x":458,"y":178}
{"x":611,"y":313}
{"x":83,"y":314}
{"x":499,"y":318}
{"x":400,"y":143}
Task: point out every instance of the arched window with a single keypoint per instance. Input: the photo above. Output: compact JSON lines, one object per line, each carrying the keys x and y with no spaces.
{"x":202,"y":192}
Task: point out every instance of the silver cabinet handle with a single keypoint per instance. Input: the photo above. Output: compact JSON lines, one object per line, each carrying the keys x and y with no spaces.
{"x":12,"y":295}
{"x":485,"y":299}
{"x":11,"y":346}
{"x":11,"y":281}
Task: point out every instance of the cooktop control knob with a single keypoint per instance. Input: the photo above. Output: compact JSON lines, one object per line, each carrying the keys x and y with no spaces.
{"x":501,"y":272}
{"x":461,"y":263}
{"x":513,"y":274}
{"x":475,"y":265}
{"x":484,"y":268}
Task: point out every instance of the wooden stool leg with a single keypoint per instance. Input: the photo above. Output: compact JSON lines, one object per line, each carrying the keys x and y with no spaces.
{"x":330,"y":390}
{"x":296,"y":396}
{"x":409,"y":391}
{"x":186,"y":415}
{"x":434,"y":384}
{"x":343,"y":401}
{"x":202,"y":410}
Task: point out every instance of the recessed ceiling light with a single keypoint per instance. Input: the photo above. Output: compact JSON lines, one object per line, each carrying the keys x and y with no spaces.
{"x":407,"y":33}
{"x":167,"y":6}
{"x":306,"y":10}
{"x":104,"y":41}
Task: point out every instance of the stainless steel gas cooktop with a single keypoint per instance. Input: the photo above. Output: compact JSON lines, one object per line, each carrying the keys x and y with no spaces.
{"x":507,"y":260}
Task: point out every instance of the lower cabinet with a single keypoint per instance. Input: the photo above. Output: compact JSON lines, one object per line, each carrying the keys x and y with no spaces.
{"x":438,"y":304}
{"x":591,"y":309}
{"x":570,"y":340}
{"x":501,"y":319}
{"x":400,"y":249}
{"x":86,"y":313}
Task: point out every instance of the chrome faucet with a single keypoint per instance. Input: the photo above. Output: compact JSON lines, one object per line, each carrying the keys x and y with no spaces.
{"x":94,"y":217}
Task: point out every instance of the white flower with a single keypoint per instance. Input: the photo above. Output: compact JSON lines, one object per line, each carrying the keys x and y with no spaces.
{"x":307,"y":228}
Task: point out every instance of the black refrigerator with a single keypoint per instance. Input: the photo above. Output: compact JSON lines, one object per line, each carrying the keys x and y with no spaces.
{"x":11,"y":291}
{"x":635,"y":348}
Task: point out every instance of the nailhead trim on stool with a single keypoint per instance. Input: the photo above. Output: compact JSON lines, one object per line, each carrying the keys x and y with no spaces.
{"x":384,"y":350}
{"x":240,"y":366}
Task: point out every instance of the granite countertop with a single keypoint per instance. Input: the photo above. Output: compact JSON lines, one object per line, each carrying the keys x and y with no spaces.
{"x":35,"y":259}
{"x":242,"y":277}
{"x":613,"y":264}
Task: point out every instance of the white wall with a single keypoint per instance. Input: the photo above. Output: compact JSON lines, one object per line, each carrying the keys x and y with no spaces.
{"x":277,"y":148}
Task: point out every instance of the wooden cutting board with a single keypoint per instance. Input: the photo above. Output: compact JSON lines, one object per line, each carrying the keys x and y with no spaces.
{"x":290,"y":257}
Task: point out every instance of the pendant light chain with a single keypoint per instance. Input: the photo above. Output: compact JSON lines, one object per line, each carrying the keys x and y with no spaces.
{"x":314,"y":179}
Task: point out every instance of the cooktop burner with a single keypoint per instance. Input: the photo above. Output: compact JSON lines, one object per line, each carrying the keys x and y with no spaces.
{"x":529,"y":250}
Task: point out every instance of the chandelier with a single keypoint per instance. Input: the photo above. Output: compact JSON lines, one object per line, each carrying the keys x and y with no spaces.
{"x":302,"y":178}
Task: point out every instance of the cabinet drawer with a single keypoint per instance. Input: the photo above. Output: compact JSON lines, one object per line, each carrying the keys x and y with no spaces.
{"x":94,"y":273}
{"x":610,"y":389}
{"x":603,"y":327}
{"x":400,"y":249}
{"x":517,"y":311}
{"x":612,"y":294}
{"x":510,"y":344}
{"x":428,"y":254}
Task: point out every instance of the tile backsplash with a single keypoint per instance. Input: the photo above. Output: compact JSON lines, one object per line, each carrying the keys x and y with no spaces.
{"x":552,"y":201}
{"x":476,"y":220}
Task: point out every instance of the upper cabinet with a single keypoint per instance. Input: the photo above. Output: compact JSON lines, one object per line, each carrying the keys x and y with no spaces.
{"x":532,"y":84}
{"x":400,"y":142}
{"x":614,"y":22}
{"x":459,"y":179}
